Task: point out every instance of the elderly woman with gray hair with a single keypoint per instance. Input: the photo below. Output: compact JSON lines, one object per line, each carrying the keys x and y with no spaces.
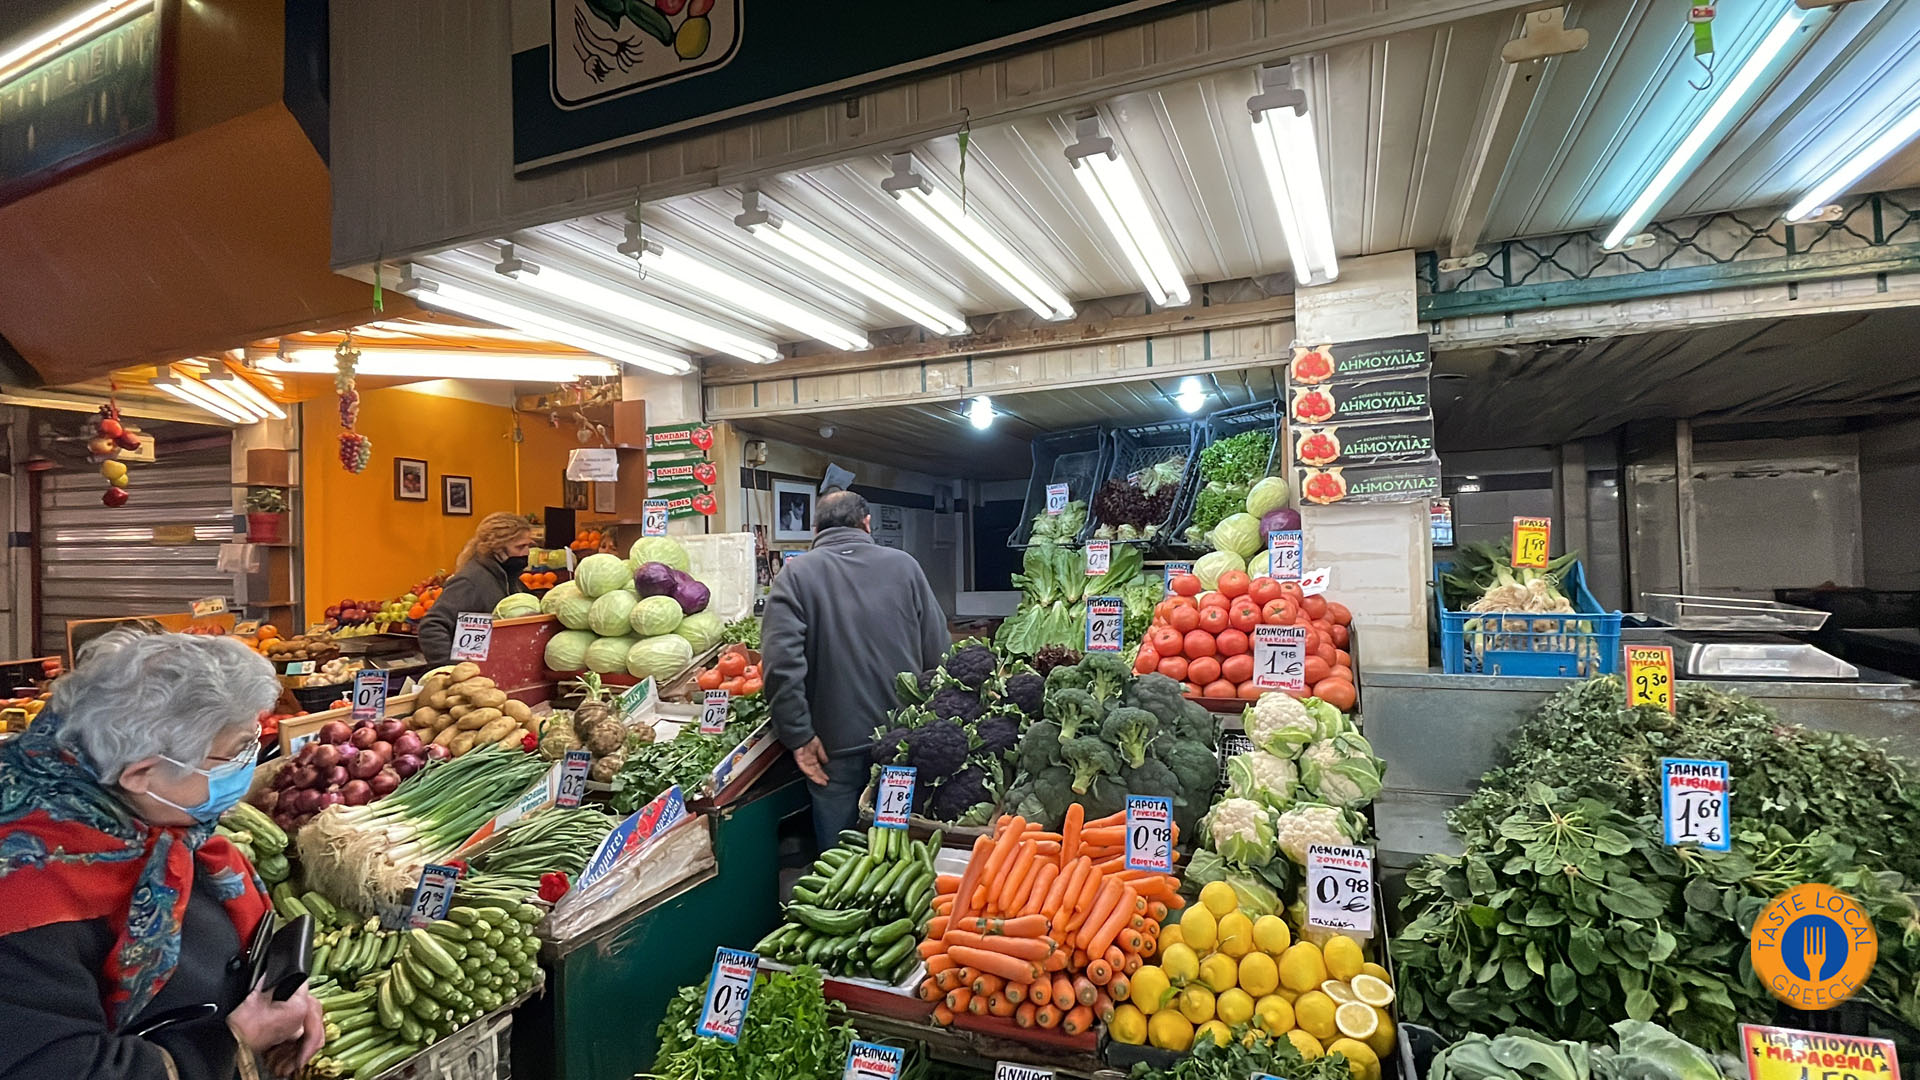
{"x":124,"y":920}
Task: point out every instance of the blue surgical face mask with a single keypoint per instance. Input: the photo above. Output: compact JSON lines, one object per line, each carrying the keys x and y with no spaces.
{"x":227,"y":784}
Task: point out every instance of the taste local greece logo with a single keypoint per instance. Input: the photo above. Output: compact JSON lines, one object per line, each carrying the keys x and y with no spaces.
{"x":1813,"y":946}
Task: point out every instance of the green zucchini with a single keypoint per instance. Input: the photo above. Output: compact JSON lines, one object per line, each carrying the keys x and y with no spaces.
{"x":423,"y":945}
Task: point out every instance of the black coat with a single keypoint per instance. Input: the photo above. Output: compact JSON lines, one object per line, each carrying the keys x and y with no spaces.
{"x":477,"y":587}
{"x":53,"y":1025}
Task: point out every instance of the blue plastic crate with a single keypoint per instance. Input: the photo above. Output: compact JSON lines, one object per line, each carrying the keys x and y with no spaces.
{"x":1575,"y":646}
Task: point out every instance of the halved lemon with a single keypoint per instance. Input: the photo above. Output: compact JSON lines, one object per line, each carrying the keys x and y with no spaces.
{"x":1372,"y":990}
{"x":1338,"y":991}
{"x":1356,"y":1020}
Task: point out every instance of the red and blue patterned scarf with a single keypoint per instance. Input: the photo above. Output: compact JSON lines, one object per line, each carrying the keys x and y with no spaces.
{"x":71,"y":851}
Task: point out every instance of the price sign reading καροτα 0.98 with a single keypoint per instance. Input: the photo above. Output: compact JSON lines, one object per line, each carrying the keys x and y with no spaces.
{"x":1150,"y":833}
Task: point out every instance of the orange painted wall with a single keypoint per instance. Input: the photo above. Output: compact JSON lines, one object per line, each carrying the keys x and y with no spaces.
{"x":543,"y":461}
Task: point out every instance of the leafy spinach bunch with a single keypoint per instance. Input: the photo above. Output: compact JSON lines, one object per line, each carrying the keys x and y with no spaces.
{"x":1237,"y":1060}
{"x":791,"y":1032}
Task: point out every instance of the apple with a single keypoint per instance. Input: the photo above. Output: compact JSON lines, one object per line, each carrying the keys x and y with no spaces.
{"x":114,"y":496}
{"x":127,"y":440}
{"x":110,"y":427}
{"x":101,"y":446}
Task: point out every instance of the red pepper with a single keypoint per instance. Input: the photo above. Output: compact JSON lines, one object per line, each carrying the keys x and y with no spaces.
{"x":553,"y":886}
{"x":529,"y":743}
{"x":459,"y":866}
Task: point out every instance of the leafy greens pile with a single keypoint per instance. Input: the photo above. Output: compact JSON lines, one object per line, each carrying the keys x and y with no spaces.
{"x":1055,"y":585}
{"x":1061,"y":528}
{"x":687,"y":759}
{"x":957,"y":726}
{"x":1228,"y":469}
{"x":789,"y":1031}
{"x":1646,"y":1052}
{"x":1237,"y":1059}
{"x":1135,"y":507}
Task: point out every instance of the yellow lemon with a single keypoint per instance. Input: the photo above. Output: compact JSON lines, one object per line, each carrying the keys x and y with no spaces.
{"x":1234,"y":1007}
{"x":1301,"y":967}
{"x":1343,"y":957}
{"x":1378,"y":972}
{"x":1215,"y":1030}
{"x":1253,"y":1038}
{"x":1169,"y":934}
{"x":1129,"y":1025}
{"x":1360,"y":1057}
{"x":1180,"y":964}
{"x":1275,"y":1014}
{"x":1308,"y":1046}
{"x":1313,"y":1011}
{"x":1381,"y":1041}
{"x":1286,"y":993}
{"x":1258,"y":974}
{"x":1372,"y":990}
{"x":1168,"y":1030}
{"x":1356,"y":1020}
{"x":1236,"y":935}
{"x":1219,"y":898}
{"x":1198,"y":928}
{"x":1150,"y":990}
{"x":1270,"y":935}
{"x":690,"y":42}
{"x":1219,"y":973}
{"x":1340,"y":992}
{"x":1196,"y":1004}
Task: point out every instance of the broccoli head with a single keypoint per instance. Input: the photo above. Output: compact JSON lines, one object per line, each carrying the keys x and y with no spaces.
{"x":937,"y":750}
{"x":1158,"y":695}
{"x":1150,"y":777}
{"x":998,"y":732}
{"x":1194,"y":766}
{"x":1107,"y":675}
{"x":960,"y":793}
{"x":1040,"y":748}
{"x":1196,"y":724}
{"x":971,"y":665}
{"x":1089,"y":758}
{"x":1073,"y":710}
{"x":954,"y":703}
{"x":1027,"y":691}
{"x":1052,"y":794}
{"x":1067,"y":677}
{"x":1130,"y":731}
{"x":1107,"y":797}
{"x":886,"y":745}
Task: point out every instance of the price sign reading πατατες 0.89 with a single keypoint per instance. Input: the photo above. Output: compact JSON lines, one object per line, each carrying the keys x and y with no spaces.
{"x":653,"y":517}
{"x":1099,"y":557}
{"x":1280,"y":657}
{"x":1695,"y":801}
{"x":1106,"y":616}
{"x":1283,"y":555}
{"x":1056,"y":498}
{"x":1531,"y":537}
{"x":893,"y":799}
{"x":1174,"y":570}
{"x":1150,"y":833}
{"x":871,"y":1061}
{"x":369,"y":695}
{"x":574,"y":768}
{"x":728,"y":991}
{"x":1650,"y":676}
{"x":713,"y":711}
{"x":473,"y":636}
{"x":432,"y":896}
{"x":1340,"y":888}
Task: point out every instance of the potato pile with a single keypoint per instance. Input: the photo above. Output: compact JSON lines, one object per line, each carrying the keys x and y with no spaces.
{"x":319,"y":647}
{"x":461,"y":709}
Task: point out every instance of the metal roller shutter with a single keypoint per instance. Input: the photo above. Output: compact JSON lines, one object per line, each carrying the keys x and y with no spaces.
{"x":97,"y":562}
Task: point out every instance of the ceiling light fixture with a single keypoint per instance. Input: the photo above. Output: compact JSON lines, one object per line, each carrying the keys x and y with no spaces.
{"x":482,"y":300}
{"x":1860,"y":164}
{"x":231,"y":385}
{"x":980,"y":412}
{"x":447,"y":364}
{"x":968,"y":236}
{"x":86,"y":22}
{"x":728,"y":289}
{"x":1116,"y":197}
{"x":801,"y":243}
{"x":1289,"y":149}
{"x":569,"y":277}
{"x":199,"y":397}
{"x":1731,"y":96}
{"x":1192,"y":395}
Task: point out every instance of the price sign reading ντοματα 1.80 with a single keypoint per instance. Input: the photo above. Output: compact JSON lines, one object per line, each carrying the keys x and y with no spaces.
{"x":473,"y":636}
{"x":1650,"y":676}
{"x":1173,"y":570}
{"x":574,"y":768}
{"x":1695,"y":801}
{"x":1056,"y":498}
{"x":713,"y":711}
{"x":432,"y":896}
{"x":1007,"y":1070}
{"x":728,"y":991}
{"x":1284,"y":558}
{"x":653,"y":517}
{"x":1280,"y":657}
{"x":1099,"y":557}
{"x":893,"y":799}
{"x":1150,"y":833}
{"x":871,"y":1061}
{"x":1531,"y":536}
{"x":1340,"y":888}
{"x":369,"y":695}
{"x":1105,"y":619}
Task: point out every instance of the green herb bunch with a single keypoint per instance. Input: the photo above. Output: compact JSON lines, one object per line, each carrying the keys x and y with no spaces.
{"x":687,"y":759}
{"x":1237,"y":1060}
{"x":791,"y":1032}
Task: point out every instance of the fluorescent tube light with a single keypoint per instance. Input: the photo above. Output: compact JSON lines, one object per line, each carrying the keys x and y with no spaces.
{"x":1860,"y":164}
{"x":1116,"y":196}
{"x":446,"y":364}
{"x":1289,"y":149}
{"x":463,"y":296}
{"x":89,"y":20}
{"x":980,"y":412}
{"x":1731,"y":96}
{"x":940,"y":215}
{"x":728,"y":289}
{"x":199,"y":397}
{"x":800,"y":243}
{"x":231,"y":385}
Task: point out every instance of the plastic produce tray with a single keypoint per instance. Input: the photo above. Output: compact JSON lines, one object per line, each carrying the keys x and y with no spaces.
{"x":1580,"y":645}
{"x":1219,"y":425}
{"x":1076,"y":458}
{"x":1131,"y":450}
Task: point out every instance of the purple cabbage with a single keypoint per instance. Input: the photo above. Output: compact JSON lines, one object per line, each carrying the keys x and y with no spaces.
{"x":692,"y":595}
{"x":1280,"y":519}
{"x":656,"y":579}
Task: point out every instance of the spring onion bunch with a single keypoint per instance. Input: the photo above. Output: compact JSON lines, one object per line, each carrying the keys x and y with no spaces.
{"x":552,"y":841}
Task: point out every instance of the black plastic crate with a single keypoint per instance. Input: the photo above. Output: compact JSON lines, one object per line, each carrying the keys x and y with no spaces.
{"x":1217,"y":426}
{"x":1076,"y":458}
{"x":1135,"y":449}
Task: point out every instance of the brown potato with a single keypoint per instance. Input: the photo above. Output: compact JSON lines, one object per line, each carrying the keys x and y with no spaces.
{"x":478,"y":682}
{"x":479,"y":718}
{"x":446,"y":736}
{"x":519,"y":711}
{"x":462,"y":743}
{"x":488,"y":699}
{"x":464,"y":671}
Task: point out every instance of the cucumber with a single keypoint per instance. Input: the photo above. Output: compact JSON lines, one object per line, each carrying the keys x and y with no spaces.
{"x":878,"y":884}
{"x":465,"y":916}
{"x":839,"y":878}
{"x":323,"y":911}
{"x":902,"y":947}
{"x":831,"y":923}
{"x":403,"y":992}
{"x":835,"y":856}
{"x":891,"y":933}
{"x":290,"y":906}
{"x":853,"y":836}
{"x":810,"y":881}
{"x":318,"y":966}
{"x":449,"y":931}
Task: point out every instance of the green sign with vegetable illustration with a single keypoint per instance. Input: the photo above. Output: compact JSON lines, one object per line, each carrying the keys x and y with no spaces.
{"x":618,"y":72}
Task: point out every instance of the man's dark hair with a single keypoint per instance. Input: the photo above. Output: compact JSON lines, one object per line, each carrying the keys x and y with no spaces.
{"x":838,"y":510}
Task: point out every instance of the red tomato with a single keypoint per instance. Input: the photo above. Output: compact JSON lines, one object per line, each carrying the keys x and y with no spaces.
{"x":1315,"y":605}
{"x":1184,"y":619}
{"x":1342,"y":672}
{"x":1238,"y":668}
{"x":1173,"y":667}
{"x":1290,"y":588}
{"x":1232,"y":642}
{"x":1244,"y":615}
{"x":1317,"y":669}
{"x":1189,"y":689}
{"x":1234,"y":583}
{"x":732,"y":686}
{"x":1325,"y":651}
{"x":1275,"y":613}
{"x":1264,"y":590}
{"x":1163,"y":610}
{"x":1341,"y":635}
{"x":732,"y":663}
{"x":1249,"y":692}
{"x":1146,"y":661}
{"x":709,"y":679}
{"x":1338,"y":613}
{"x":1203,"y":670}
{"x":1186,"y":585}
{"x":1336,"y":692}
{"x":750,"y":687}
{"x":1214,"y":619}
{"x":1342,"y":658}
{"x":1164,"y":640}
{"x":1219,"y":688}
{"x":1199,"y":643}
{"x":1213,"y":599}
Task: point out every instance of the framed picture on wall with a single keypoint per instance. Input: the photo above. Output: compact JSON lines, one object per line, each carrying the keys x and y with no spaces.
{"x":456,"y":495}
{"x":792,"y":510}
{"x":604,"y":500}
{"x":409,"y":479}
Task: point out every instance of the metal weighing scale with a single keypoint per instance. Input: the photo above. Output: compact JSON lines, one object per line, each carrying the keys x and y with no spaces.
{"x":1716,"y":637}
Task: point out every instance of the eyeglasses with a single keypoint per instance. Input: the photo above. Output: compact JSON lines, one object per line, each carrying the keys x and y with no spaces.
{"x":253,"y":747}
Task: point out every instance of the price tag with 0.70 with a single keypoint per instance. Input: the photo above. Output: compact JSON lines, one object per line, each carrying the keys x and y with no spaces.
{"x":1280,"y":657}
{"x":1150,"y":833}
{"x":713,"y":711}
{"x":473,"y":636}
{"x":1340,"y":888}
{"x":1695,"y":802}
{"x":369,"y":695}
{"x":893,"y":799}
{"x":728,"y":991}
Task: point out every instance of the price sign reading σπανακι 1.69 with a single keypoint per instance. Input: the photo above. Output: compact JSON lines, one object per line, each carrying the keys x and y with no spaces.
{"x":725,"y":1013}
{"x":653,"y":517}
{"x":473,"y":636}
{"x":1650,"y":676}
{"x":1284,"y":555}
{"x":369,"y":695}
{"x":1340,"y":888}
{"x":1280,"y":657}
{"x":574,"y":768}
{"x":1531,"y":538}
{"x":1106,"y":616}
{"x":713,"y":711}
{"x":872,"y":1061}
{"x":1150,"y":833}
{"x":1174,"y":570}
{"x":1056,"y":498}
{"x":432,"y":896}
{"x":1099,"y":557}
{"x":1695,"y":802}
{"x":893,"y":799}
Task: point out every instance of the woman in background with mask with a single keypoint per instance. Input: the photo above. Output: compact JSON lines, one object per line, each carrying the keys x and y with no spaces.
{"x":124,"y":919}
{"x":487,"y":572}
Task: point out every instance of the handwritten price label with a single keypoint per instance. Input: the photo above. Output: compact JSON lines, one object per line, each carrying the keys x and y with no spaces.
{"x":653,"y":517}
{"x":1105,"y":616}
{"x":1530,"y":540}
{"x":1283,"y":555}
{"x":1150,"y":833}
{"x":473,"y":636}
{"x":893,"y":801}
{"x":1007,"y":1070}
{"x":1695,"y":802}
{"x":1280,"y":657}
{"x":432,"y":896}
{"x":1650,"y":676}
{"x":1174,"y":570}
{"x":1340,"y":888}
{"x":1056,"y":498}
{"x":1315,"y":582}
{"x":369,"y":695}
{"x":713,"y":712}
{"x":212,"y":605}
{"x":728,"y":991}
{"x":1099,"y":557}
{"x":871,"y":1061}
{"x":573,"y":778}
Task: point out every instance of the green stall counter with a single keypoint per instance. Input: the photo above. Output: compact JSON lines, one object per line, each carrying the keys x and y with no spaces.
{"x":607,"y":991}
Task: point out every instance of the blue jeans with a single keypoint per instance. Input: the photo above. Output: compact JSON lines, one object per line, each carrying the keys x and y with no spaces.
{"x":836,"y":804}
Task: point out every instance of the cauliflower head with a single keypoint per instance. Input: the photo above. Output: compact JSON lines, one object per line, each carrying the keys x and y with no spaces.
{"x":1341,"y":771}
{"x":1281,"y":725}
{"x":1316,"y":823}
{"x":1263,"y":777}
{"x":1240,"y":830}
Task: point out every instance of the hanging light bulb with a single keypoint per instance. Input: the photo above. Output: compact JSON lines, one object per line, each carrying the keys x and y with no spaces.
{"x":980,"y":412}
{"x":1191,"y":396}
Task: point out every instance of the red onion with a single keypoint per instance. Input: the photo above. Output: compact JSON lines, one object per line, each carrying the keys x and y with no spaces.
{"x":407,"y":764}
{"x":335,"y":732}
{"x":384,"y":782}
{"x":334,"y":777}
{"x":407,"y":743}
{"x":332,"y":798}
{"x":384,"y":749}
{"x":305,"y":800}
{"x":390,"y":729}
{"x":365,"y":766}
{"x":346,"y":752}
{"x":283,"y":779}
{"x":304,"y":776}
{"x":325,"y":756}
{"x":357,"y":793}
{"x":437,"y":752}
{"x":364,"y":737}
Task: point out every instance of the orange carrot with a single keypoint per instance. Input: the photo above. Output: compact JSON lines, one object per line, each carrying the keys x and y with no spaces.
{"x":1131,"y":941}
{"x":1016,"y":992}
{"x":1156,"y":911}
{"x":943,"y":905}
{"x":1103,"y":908}
{"x":1084,"y":990}
{"x":1075,"y":877}
{"x":1027,"y":900}
{"x":977,"y":1004}
{"x":1007,"y":967}
{"x":1099,"y":972}
{"x":987,"y":984}
{"x":1113,"y":865}
{"x":1135,"y":961}
{"x":1077,"y":1020}
{"x":958,"y":998}
{"x":1147,"y":950}
{"x":983,"y":852}
{"x":1063,"y":995}
{"x":1046,"y":1016}
{"x":998,"y":1005}
{"x":1089,"y":896}
{"x":1116,"y":959}
{"x":1079,"y":960}
{"x":1118,"y":817}
{"x":1048,"y":849}
{"x":1062,"y":874}
{"x":1020,"y":926}
{"x":1040,"y":990}
{"x":1104,"y":836}
{"x":945,"y":884}
{"x":937,"y":928}
{"x":1023,"y":948}
{"x":1175,"y":902}
{"x":930,"y":947}
{"x":1120,"y":987}
{"x":938,"y":963}
{"x":1098,"y":942}
{"x":942,"y":1016}
{"x":1018,"y":868}
{"x":1070,"y":832}
{"x":930,"y":991}
{"x":1103,"y":1007}
{"x":947,"y":978}
{"x":1057,"y":960}
{"x":1024,"y":1014}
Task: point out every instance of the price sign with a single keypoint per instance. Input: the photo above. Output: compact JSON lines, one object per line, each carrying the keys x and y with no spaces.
{"x":1007,"y":1070}
{"x":1056,"y":498}
{"x":212,"y":605}
{"x":300,"y":667}
{"x":369,"y":695}
{"x":893,"y":801}
{"x":1314,"y":582}
{"x":1340,"y":888}
{"x":246,"y":629}
{"x":573,"y":778}
{"x":1695,"y":802}
{"x":727,"y":993}
{"x":1174,"y":570}
{"x":473,"y":636}
{"x":1150,"y":833}
{"x":871,"y":1061}
{"x":1530,"y":537}
{"x":653,"y":517}
{"x":1105,"y":617}
{"x":1650,"y":676}
{"x":713,"y":712}
{"x":1777,"y":1053}
{"x":432,"y":896}
{"x":1099,"y":557}
{"x":637,"y":697}
{"x":1283,"y":555}
{"x":1280,"y":657}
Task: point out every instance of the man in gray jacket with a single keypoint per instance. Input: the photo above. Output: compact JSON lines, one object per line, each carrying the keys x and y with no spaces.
{"x":842,"y":621}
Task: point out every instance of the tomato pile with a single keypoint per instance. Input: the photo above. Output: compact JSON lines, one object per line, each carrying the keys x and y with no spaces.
{"x":1205,"y":639}
{"x":733,"y":671}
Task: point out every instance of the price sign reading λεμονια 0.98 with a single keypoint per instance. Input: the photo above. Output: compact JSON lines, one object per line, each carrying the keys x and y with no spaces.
{"x":1150,"y":833}
{"x":728,"y":991}
{"x":369,"y":695}
{"x":713,"y":711}
{"x":1695,"y":802}
{"x":473,"y":636}
{"x":1280,"y":657}
{"x":893,"y":798}
{"x":1056,"y":498}
{"x":1531,"y":537}
{"x":1099,"y":557}
{"x":872,"y":1061}
{"x":1106,"y":616}
{"x":1340,"y":888}
{"x":574,"y":768}
{"x":1650,"y":676}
